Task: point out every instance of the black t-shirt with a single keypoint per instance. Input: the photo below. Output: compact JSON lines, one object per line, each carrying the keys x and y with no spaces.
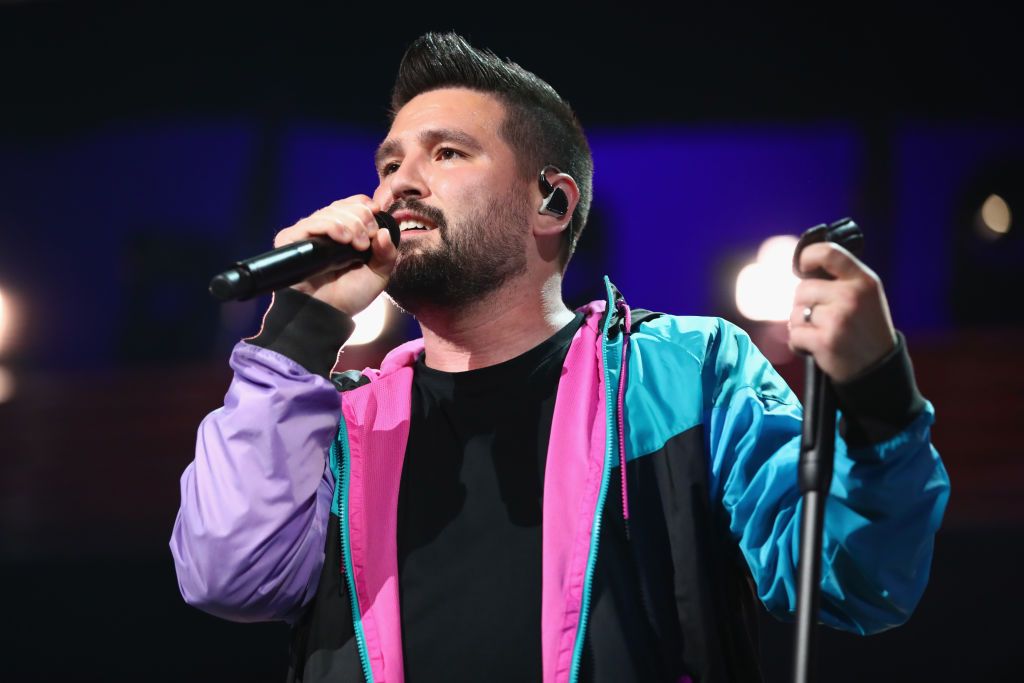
{"x":469,"y":517}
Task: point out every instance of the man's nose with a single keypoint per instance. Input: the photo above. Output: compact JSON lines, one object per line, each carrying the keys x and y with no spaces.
{"x":407,"y":181}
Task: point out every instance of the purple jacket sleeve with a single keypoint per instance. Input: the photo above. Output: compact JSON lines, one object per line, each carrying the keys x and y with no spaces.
{"x":248,"y":542}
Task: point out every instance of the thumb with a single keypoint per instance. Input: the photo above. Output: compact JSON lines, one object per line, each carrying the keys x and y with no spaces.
{"x":385,"y":253}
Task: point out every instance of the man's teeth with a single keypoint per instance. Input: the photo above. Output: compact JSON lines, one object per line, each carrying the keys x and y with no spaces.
{"x":411,"y":225}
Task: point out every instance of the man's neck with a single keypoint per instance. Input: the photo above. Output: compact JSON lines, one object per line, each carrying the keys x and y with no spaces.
{"x":501,"y":326}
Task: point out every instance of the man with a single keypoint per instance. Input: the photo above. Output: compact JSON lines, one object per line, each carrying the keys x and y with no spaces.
{"x":529,"y":492}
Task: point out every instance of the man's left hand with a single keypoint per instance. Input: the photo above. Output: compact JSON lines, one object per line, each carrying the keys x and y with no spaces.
{"x":844,"y":323}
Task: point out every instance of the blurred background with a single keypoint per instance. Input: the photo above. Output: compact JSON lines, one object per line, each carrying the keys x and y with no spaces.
{"x":145,"y":146}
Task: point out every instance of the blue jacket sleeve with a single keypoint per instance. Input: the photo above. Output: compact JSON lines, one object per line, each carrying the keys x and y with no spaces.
{"x":885,"y":503}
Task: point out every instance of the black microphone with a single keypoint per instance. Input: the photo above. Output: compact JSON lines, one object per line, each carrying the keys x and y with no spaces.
{"x":293,"y":263}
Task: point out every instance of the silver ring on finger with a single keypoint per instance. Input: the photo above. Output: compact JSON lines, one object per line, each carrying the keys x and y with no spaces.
{"x":808,"y":312}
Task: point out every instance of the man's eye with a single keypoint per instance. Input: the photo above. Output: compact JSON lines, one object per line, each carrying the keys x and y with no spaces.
{"x":388,"y":169}
{"x":447,"y":153}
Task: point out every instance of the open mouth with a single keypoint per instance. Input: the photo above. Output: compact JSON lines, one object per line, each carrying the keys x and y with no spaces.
{"x":414,"y":225}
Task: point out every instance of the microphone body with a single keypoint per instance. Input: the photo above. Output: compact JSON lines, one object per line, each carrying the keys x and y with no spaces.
{"x":293,"y":263}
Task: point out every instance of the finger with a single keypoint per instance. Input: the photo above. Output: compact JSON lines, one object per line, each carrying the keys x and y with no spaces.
{"x":353,"y":213}
{"x":805,"y":339}
{"x":798,"y":317}
{"x":348,"y":220}
{"x":359,"y":203}
{"x":340,"y":228}
{"x":832,"y":258}
{"x":308,"y":227}
{"x":353,"y":223}
{"x":363,"y":199}
{"x":815,"y":291}
{"x":822,"y":316}
{"x":365,"y":207}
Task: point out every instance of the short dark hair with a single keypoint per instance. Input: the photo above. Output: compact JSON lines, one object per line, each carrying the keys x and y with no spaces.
{"x":539,"y":125}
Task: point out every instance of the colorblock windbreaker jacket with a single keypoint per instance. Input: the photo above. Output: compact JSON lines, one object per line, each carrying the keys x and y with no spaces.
{"x":670,"y":502}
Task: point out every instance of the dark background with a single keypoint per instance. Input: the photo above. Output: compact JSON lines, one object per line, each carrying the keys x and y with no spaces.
{"x":143,"y":146}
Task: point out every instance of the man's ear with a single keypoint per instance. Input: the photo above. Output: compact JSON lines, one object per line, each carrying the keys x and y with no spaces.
{"x":559,"y":195}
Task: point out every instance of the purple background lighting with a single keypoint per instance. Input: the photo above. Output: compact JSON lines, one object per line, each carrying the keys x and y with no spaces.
{"x":933,"y":167}
{"x":675,"y":208}
{"x":680,"y":201}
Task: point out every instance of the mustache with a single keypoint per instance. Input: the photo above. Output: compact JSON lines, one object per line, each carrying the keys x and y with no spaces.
{"x":434,"y":215}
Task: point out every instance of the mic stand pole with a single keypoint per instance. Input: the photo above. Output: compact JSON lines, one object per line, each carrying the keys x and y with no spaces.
{"x":817,"y":451}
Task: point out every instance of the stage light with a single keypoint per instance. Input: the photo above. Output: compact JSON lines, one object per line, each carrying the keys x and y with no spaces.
{"x":994,"y":217}
{"x":986,"y":251}
{"x":765,"y":288}
{"x":370,"y":322}
{"x":778,"y":251}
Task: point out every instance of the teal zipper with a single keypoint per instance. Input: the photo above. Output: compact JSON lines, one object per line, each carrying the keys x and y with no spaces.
{"x":346,"y":551}
{"x":595,"y":536}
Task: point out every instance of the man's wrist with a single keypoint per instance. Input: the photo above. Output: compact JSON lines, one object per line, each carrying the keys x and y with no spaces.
{"x":881,"y":401}
{"x":304,"y":329}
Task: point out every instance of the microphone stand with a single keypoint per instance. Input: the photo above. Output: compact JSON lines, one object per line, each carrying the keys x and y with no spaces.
{"x":817,"y":452}
{"x":814,"y":469}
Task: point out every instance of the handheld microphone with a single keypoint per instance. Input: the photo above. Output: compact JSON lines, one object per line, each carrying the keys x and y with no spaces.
{"x":293,"y":263}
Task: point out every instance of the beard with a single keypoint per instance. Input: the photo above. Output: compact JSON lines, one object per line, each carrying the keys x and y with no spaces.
{"x":484,"y":251}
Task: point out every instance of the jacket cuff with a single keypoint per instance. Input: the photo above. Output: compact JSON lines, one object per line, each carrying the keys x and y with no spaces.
{"x":881,"y":401}
{"x":306,"y":330}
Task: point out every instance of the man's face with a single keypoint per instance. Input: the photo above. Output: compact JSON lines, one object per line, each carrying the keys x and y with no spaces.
{"x":451,"y":182}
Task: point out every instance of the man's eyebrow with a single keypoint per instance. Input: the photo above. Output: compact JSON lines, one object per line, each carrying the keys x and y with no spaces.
{"x":428,"y":138}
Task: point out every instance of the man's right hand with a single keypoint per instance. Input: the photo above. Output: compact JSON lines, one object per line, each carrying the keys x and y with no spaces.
{"x":347,"y":221}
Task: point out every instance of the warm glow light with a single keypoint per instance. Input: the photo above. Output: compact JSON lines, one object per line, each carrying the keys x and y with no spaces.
{"x":370,"y":322}
{"x":765,"y":288}
{"x":6,"y":384}
{"x":3,"y":322}
{"x":778,"y":251}
{"x":995,"y":215}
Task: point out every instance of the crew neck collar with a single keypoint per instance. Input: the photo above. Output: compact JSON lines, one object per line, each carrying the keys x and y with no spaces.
{"x":525,"y":361}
